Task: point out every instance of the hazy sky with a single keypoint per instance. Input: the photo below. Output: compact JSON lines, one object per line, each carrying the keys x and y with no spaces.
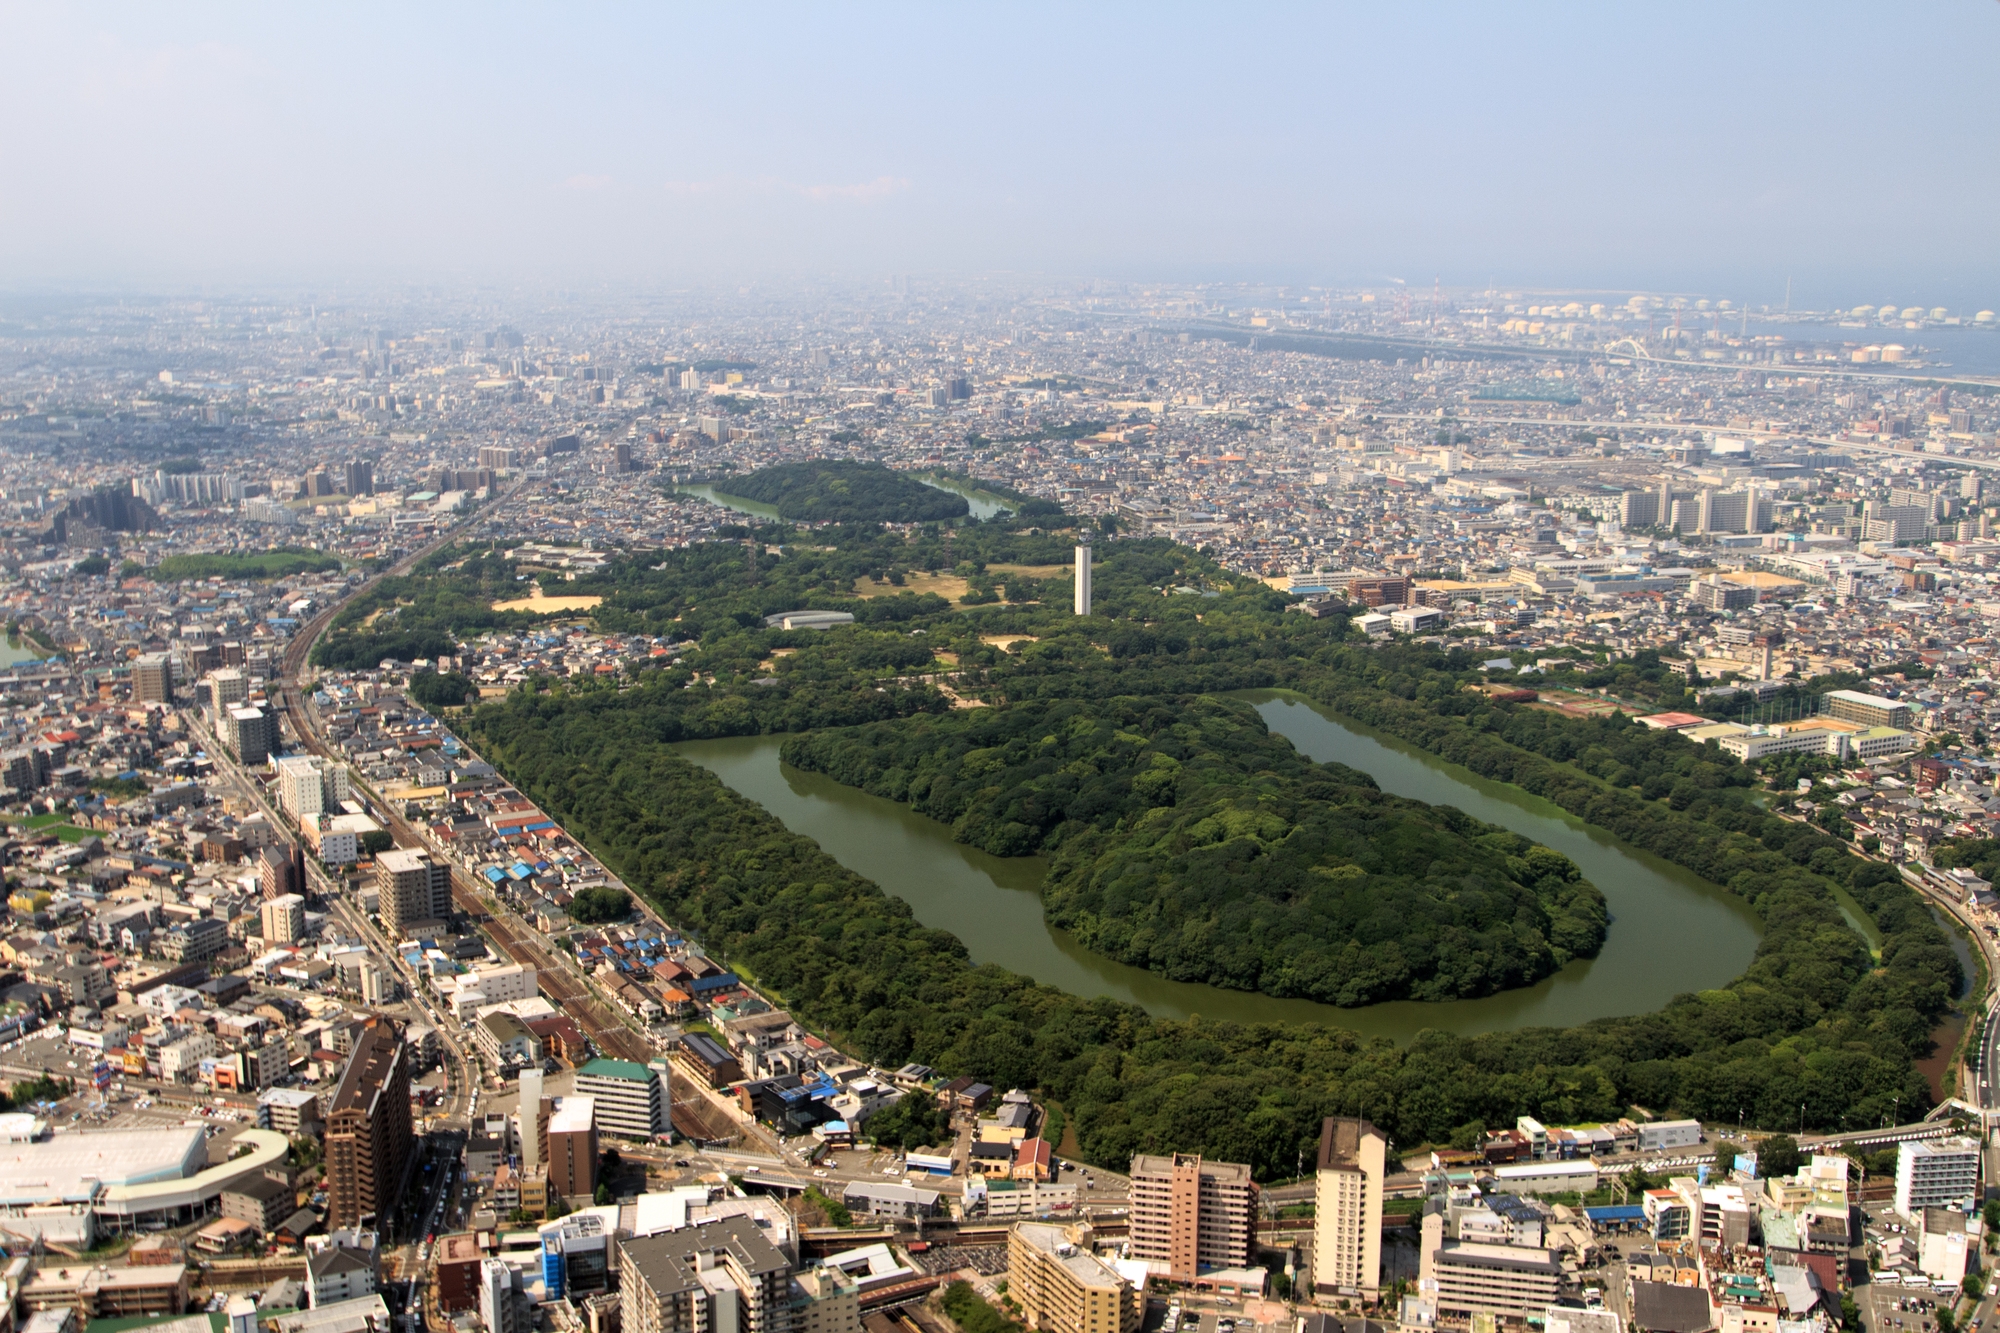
{"x":1714,"y":148}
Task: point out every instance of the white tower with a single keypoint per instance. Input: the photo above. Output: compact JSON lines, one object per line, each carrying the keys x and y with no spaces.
{"x":1083,"y":576}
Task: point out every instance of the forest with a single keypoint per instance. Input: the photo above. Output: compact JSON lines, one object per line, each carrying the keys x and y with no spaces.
{"x":282,"y":563}
{"x":1187,"y":839}
{"x":829,"y":491}
{"x":1816,"y":1021}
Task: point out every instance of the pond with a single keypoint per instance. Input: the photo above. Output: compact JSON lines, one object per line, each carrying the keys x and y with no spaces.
{"x":1670,"y":931}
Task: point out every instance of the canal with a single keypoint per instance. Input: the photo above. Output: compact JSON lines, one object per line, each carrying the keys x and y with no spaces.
{"x":1670,"y":931}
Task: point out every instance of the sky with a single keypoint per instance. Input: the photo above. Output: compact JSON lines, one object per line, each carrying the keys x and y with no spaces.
{"x":1725,"y":149}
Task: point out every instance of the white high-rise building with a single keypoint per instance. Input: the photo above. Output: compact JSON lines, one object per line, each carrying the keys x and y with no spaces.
{"x":1083,"y":576}
{"x":496,"y":1297}
{"x":1937,"y":1173}
{"x":1347,"y":1207}
{"x":309,"y":785}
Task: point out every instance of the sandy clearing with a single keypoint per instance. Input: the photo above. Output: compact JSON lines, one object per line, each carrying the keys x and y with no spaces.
{"x":1032,"y":571}
{"x":540,"y":603}
{"x":1005,"y":642}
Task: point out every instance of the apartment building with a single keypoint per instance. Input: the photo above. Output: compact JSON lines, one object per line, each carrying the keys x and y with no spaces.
{"x":722,"y":1274}
{"x":632,"y":1100}
{"x":1936,"y":1173}
{"x":1188,"y":1215}
{"x":1347,"y":1200}
{"x":415,"y":890}
{"x":1467,"y":1278}
{"x":309,"y":785}
{"x":572,"y":1148}
{"x":368,"y":1129}
{"x":1062,"y":1287}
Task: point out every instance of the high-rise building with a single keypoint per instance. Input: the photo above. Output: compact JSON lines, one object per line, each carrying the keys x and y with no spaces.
{"x":633,"y":1100}
{"x":360,"y":477}
{"x":1187,"y":1214}
{"x":227,"y":688}
{"x":621,"y":457}
{"x":498,"y":1309}
{"x":1936,"y":1173}
{"x":284,"y":919}
{"x":1062,"y":1286}
{"x":281,"y":869}
{"x":252,"y":733}
{"x":368,"y":1129}
{"x":1347,"y":1207}
{"x":310,"y":785}
{"x":414,"y":889}
{"x":1083,"y":576}
{"x":153,"y":678}
{"x":572,"y":1148}
{"x":1639,"y":509}
{"x":715,"y":1275}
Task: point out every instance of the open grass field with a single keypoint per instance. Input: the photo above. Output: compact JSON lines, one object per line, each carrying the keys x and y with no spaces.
{"x":948,"y":586}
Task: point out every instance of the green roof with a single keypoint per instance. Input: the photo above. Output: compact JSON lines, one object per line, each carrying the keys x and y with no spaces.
{"x":630,"y":1070}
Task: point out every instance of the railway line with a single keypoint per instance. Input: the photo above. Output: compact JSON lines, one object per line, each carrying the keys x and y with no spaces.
{"x":511,"y":936}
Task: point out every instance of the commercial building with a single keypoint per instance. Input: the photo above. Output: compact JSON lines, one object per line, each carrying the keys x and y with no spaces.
{"x":576,"y":1256}
{"x":571,"y":1155}
{"x":1062,"y":1287}
{"x":415,"y":891}
{"x":1663,"y":1135}
{"x":506,"y":1041}
{"x":1347,"y":1201}
{"x":1716,"y":594}
{"x":124,"y":1179}
{"x":289,"y":1111}
{"x":1188,"y":1214}
{"x":1936,"y":1173}
{"x":633,"y":1100}
{"x":826,"y":1300}
{"x":717,"y":1275}
{"x":368,"y":1129}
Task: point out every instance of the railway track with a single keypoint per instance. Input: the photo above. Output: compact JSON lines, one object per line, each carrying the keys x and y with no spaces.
{"x":605,"y":1031}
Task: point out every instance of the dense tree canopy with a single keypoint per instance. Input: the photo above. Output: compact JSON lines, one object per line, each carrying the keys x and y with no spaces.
{"x":824,"y":490}
{"x":1189,"y":840}
{"x":1815,"y":1021}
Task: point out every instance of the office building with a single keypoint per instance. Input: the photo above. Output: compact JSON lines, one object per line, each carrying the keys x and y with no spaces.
{"x":368,"y":1129}
{"x":633,"y":1101}
{"x":283,"y":919}
{"x":1374,"y":590}
{"x":571,"y":1152}
{"x":1083,"y":576}
{"x":1062,"y":1287}
{"x":724,"y":1274}
{"x":1936,"y":1173}
{"x":576,"y":1256}
{"x":153,"y":678}
{"x":309,"y":785}
{"x":1347,"y":1202}
{"x":1188,"y":1214}
{"x":415,"y":891}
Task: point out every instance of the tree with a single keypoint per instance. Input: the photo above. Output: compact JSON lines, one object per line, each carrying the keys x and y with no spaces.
{"x":603,"y":1195}
{"x":434,"y":690}
{"x":1974,"y":1286}
{"x":1725,"y":1157}
{"x":600,"y":902}
{"x":376,"y":841}
{"x":1777,"y":1156}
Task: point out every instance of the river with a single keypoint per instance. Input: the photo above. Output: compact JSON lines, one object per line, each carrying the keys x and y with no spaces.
{"x":1670,"y":931}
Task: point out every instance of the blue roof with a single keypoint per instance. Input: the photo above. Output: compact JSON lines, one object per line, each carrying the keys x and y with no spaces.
{"x":1618,"y":1212}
